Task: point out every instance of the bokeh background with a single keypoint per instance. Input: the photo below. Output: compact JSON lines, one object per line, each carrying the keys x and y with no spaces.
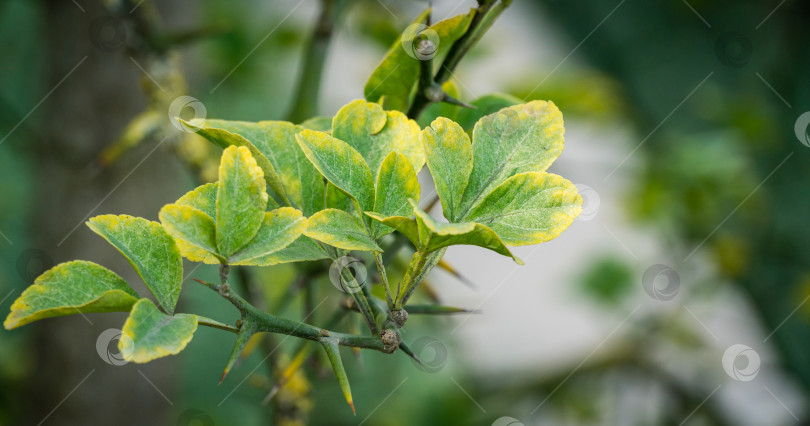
{"x":678,"y":297}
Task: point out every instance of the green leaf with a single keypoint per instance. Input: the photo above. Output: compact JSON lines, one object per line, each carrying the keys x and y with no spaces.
{"x":320,"y":123}
{"x":435,"y":235}
{"x":340,"y":164}
{"x":149,"y":249}
{"x":279,"y":228}
{"x":405,"y":225}
{"x":241,"y":200}
{"x":529,"y":208}
{"x":449,"y":158}
{"x":374,"y":133}
{"x":193,"y":231}
{"x":304,"y":249}
{"x":518,"y":139}
{"x":395,"y":77}
{"x":149,"y":334}
{"x":441,"y":109}
{"x":71,"y":288}
{"x":396,"y":183}
{"x":485,"y":105}
{"x":275,"y":140}
{"x":217,"y":132}
{"x":202,"y":198}
{"x":340,"y":229}
{"x":333,"y":352}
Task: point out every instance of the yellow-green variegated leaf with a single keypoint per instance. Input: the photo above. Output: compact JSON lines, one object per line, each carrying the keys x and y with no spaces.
{"x":405,"y":225}
{"x":518,"y":139}
{"x":204,"y":199}
{"x":529,"y":208}
{"x":193,"y":231}
{"x":275,"y":140}
{"x":340,"y":164}
{"x":149,"y":249}
{"x":436,"y":235}
{"x":374,"y":133}
{"x":395,"y":77}
{"x":279,"y":229}
{"x":217,"y":131}
{"x":150,"y":334}
{"x":396,"y":183}
{"x":77,"y":287}
{"x":241,"y":200}
{"x":340,"y":229}
{"x":304,"y":249}
{"x":449,"y":158}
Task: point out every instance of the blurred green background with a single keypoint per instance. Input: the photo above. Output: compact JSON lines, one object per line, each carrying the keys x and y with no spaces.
{"x":685,"y":132}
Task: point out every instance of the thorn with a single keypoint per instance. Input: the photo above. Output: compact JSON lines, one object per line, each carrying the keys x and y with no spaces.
{"x":452,"y":271}
{"x":271,"y":394}
{"x":224,"y":373}
{"x":351,"y":404}
{"x":453,"y":101}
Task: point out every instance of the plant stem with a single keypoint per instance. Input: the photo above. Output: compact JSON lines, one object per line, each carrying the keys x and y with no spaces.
{"x":355,"y":290}
{"x":305,"y":100}
{"x":264,"y":322}
{"x":484,"y":17}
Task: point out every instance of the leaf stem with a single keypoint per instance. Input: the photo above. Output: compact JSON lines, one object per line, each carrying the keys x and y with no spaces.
{"x":421,"y":264}
{"x":208,"y":322}
{"x":381,"y":267}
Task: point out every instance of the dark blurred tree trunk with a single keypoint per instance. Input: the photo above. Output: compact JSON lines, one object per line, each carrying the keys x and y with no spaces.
{"x":88,"y":110}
